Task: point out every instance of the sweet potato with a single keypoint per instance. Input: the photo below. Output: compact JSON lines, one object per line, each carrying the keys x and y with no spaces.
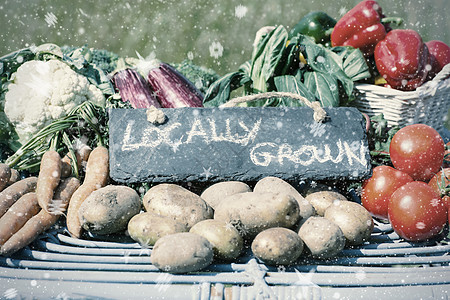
{"x":15,"y":176}
{"x":5,"y":174}
{"x":42,"y":221}
{"x":13,"y":192}
{"x":82,"y":153}
{"x":49,"y":177}
{"x":17,"y":215}
{"x":97,"y":175}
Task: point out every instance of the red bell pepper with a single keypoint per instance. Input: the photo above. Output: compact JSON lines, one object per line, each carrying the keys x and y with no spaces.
{"x":403,"y":59}
{"x":441,"y":52}
{"x":360,"y":27}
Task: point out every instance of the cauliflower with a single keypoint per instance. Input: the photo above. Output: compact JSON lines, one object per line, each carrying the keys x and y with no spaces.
{"x":43,"y":91}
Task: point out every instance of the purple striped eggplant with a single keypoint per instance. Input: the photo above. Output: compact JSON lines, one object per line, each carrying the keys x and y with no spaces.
{"x":133,"y":88}
{"x":171,"y":88}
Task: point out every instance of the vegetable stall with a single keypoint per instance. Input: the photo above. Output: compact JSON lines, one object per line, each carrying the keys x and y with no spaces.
{"x":282,"y":179}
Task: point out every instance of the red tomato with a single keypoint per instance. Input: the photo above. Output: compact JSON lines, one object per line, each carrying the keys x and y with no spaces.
{"x":377,"y":190}
{"x":441,"y":184}
{"x":446,"y":163}
{"x":417,"y":150}
{"x":416,"y":212}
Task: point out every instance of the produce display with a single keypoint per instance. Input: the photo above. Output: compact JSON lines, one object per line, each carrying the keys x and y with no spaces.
{"x":55,"y":162}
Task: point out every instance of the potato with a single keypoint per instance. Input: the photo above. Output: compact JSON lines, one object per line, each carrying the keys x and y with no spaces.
{"x":323,"y":238}
{"x":354,"y":220}
{"x":277,"y":185}
{"x":146,"y":228}
{"x":321,"y":200}
{"x":225,"y":239}
{"x":108,"y":209}
{"x":215,"y":194}
{"x":178,"y":203}
{"x":182,"y":252}
{"x":277,"y":246}
{"x":253,"y":212}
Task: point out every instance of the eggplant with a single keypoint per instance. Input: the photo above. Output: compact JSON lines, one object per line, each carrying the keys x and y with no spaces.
{"x":171,"y":88}
{"x":133,"y":88}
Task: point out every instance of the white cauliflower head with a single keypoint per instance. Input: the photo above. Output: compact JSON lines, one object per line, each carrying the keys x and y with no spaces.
{"x":43,"y":91}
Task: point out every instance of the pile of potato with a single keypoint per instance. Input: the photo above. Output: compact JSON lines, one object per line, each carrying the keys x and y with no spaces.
{"x":189,"y":231}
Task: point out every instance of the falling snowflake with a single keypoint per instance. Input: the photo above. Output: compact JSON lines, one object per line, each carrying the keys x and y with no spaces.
{"x":57,"y":207}
{"x":229,"y":226}
{"x":317,"y":129}
{"x":435,"y":202}
{"x":206,"y":172}
{"x":163,"y":282}
{"x":240,"y":11}
{"x":281,"y":269}
{"x":62,"y":296}
{"x":420,"y":225}
{"x":83,"y":13}
{"x":306,"y":284}
{"x":342,"y":11}
{"x":10,"y":293}
{"x":216,"y":49}
{"x":51,"y":19}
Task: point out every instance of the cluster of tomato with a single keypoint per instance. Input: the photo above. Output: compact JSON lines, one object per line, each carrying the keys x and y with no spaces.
{"x":413,"y":194}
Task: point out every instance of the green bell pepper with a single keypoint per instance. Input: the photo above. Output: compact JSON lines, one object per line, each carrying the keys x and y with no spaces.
{"x":316,"y":24}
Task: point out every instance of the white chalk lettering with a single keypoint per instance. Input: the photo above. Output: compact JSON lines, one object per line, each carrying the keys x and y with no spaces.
{"x":197,"y":130}
{"x":151,"y":137}
{"x":256,"y":154}
{"x":262,"y":154}
{"x":304,"y":150}
{"x":154,"y":136}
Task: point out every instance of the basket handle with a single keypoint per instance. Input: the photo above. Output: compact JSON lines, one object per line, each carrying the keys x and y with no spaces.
{"x":319,"y":113}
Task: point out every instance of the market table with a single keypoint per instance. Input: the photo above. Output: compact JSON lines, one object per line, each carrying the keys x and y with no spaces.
{"x":59,"y":266}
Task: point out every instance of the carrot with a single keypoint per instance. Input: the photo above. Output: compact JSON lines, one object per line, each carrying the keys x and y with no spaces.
{"x":42,"y":221}
{"x":49,"y":177}
{"x":5,"y":174}
{"x":16,"y":190}
{"x":97,"y":175}
{"x":81,"y":154}
{"x":17,"y":215}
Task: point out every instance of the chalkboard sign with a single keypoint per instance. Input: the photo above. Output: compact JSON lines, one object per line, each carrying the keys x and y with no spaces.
{"x":246,"y":144}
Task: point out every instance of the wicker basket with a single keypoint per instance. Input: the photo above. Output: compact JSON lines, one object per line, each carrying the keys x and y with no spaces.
{"x":428,"y":104}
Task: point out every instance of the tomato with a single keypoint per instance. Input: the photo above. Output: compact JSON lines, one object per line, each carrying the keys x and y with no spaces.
{"x":377,"y":190}
{"x":441,"y":184}
{"x":446,"y":163}
{"x":416,"y":211}
{"x":417,"y":150}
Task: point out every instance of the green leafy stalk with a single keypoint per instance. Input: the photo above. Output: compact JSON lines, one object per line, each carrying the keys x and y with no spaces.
{"x":27,"y":157}
{"x":266,"y":58}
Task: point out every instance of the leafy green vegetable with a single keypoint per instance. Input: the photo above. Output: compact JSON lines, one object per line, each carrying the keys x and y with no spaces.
{"x":298,"y":65}
{"x":202,"y":77}
{"x":266,"y":58}
{"x":326,"y":88}
{"x":290,"y":84}
{"x":219,"y":92}
{"x":379,"y":137}
{"x":85,"y":122}
{"x":103,"y":59}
